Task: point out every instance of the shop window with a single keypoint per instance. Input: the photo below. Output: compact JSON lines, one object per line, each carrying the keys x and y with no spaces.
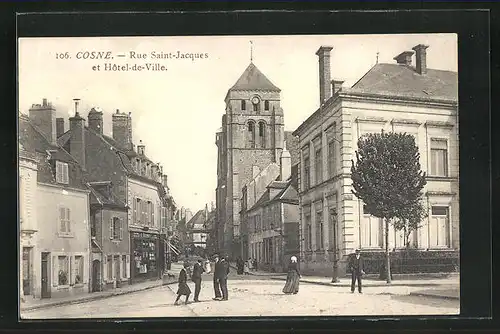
{"x":62,"y":175}
{"x":79,"y":269}
{"x":63,"y":270}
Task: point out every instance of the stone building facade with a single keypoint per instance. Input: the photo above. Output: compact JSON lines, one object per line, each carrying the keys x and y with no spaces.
{"x":251,"y":138}
{"x":417,"y":100}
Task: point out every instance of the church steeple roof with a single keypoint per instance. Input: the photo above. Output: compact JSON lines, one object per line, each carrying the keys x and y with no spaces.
{"x":253,"y":79}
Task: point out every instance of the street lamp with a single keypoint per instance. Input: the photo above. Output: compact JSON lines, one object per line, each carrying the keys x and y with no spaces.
{"x":333,"y":215}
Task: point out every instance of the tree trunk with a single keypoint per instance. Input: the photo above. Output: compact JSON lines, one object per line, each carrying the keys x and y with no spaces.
{"x":387,"y":255}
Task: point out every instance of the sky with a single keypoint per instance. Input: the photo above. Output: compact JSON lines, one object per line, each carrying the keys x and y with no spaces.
{"x":177,"y":112}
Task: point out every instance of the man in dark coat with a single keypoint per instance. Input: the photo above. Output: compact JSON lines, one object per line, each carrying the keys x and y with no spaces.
{"x":356,"y":265}
{"x":221,"y":273}
{"x":218,"y":294}
{"x":196,"y":278}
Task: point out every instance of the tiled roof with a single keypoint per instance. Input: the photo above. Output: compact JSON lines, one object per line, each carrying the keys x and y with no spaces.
{"x":253,"y":79}
{"x":32,"y":140}
{"x":197,"y":221}
{"x":404,"y":81}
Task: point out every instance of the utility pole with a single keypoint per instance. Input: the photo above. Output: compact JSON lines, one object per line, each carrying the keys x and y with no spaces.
{"x":335,"y":275}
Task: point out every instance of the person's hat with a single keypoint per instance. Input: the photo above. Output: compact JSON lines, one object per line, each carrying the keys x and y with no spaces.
{"x":357,"y":250}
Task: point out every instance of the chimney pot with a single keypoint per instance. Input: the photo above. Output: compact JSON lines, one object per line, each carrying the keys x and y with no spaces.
{"x":325,"y":89}
{"x":44,"y":102}
{"x":404,"y":58}
{"x":421,"y":58}
{"x":77,"y":140}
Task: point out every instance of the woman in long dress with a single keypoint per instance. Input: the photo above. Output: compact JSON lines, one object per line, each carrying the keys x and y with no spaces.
{"x":292,"y":278}
{"x":183,"y":289}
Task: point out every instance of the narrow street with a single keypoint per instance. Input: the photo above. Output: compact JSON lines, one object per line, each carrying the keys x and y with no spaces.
{"x":257,"y":296}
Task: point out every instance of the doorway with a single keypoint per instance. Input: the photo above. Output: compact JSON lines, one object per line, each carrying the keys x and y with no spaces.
{"x":96,"y":276}
{"x":45,"y":293}
{"x":27,"y":271}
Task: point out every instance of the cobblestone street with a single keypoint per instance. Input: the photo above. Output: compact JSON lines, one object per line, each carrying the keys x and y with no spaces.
{"x":254,"y":296}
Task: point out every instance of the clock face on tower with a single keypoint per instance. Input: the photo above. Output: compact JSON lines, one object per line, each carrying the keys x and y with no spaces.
{"x":255,"y":100}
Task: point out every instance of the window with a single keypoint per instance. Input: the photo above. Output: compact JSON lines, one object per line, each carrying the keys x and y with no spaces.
{"x":262,"y":136}
{"x":79,"y":269}
{"x":439,"y":157}
{"x":64,"y":220}
{"x":116,"y":229}
{"x":439,"y":227}
{"x":136,"y":210}
{"x":331,"y":159}
{"x":251,"y":134}
{"x":308,"y":232}
{"x":320,"y":242}
{"x":243,"y":105}
{"x":124,"y":266}
{"x":63,"y":270}
{"x":110,"y":267}
{"x":62,"y":175}
{"x":256,"y":107}
{"x":307,"y":175}
{"x":318,"y":162}
{"x":371,"y":230}
{"x":164,"y":217}
{"x":266,"y":105}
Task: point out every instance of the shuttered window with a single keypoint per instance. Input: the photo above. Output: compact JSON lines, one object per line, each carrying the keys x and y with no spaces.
{"x":64,"y":220}
{"x":62,"y":174}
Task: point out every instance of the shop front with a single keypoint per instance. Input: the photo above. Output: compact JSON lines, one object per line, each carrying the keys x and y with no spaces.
{"x":147,"y":256}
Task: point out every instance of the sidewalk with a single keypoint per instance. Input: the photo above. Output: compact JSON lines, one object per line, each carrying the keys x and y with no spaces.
{"x":404,"y":280}
{"x":445,"y":292}
{"x":35,"y":304}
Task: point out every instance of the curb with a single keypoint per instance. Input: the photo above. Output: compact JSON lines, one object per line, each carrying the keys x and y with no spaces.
{"x":91,"y":298}
{"x":430,"y":295}
{"x":343,"y":285}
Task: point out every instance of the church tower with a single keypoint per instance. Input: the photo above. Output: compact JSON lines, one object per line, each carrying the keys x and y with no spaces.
{"x":250,"y":139}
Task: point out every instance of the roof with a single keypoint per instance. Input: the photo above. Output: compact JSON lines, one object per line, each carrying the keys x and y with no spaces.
{"x":287,"y":194}
{"x":101,"y":193}
{"x":253,"y":79}
{"x":33,"y":141}
{"x":398,"y":82}
{"x":197,"y":221}
{"x":404,"y":81}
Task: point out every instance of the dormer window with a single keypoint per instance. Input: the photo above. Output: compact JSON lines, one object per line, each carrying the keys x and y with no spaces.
{"x":62,"y":175}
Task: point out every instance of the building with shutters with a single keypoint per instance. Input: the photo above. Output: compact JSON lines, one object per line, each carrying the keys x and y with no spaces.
{"x":396,"y":97}
{"x":120,"y":174}
{"x":55,"y":228}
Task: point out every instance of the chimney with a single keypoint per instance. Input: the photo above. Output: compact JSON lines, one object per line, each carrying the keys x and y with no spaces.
{"x":44,"y":117}
{"x":404,"y":58}
{"x":141,"y":148}
{"x":77,"y":140}
{"x":95,"y":120}
{"x":325,"y":90}
{"x":337,"y":86}
{"x":122,"y":129}
{"x":421,"y":58}
{"x":59,"y":127}
{"x":285,"y":164}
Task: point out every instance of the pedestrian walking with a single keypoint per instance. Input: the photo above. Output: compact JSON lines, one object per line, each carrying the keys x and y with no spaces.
{"x":183,"y":289}
{"x":292,"y":278}
{"x":196,"y":278}
{"x":356,"y":265}
{"x":218,"y":294}
{"x":221,"y":273}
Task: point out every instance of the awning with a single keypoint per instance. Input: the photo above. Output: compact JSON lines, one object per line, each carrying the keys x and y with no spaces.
{"x":173,"y":248}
